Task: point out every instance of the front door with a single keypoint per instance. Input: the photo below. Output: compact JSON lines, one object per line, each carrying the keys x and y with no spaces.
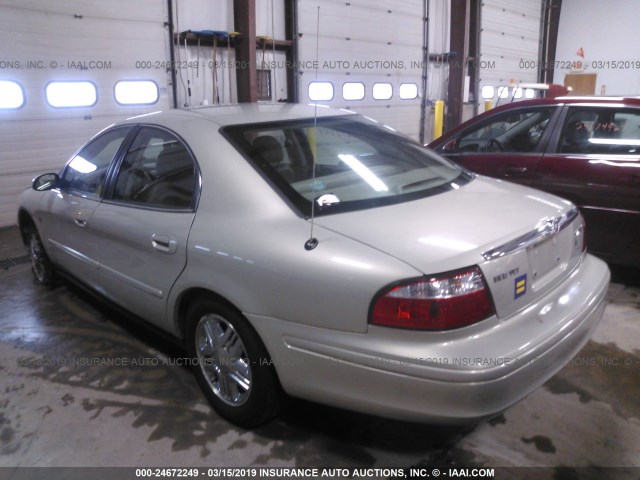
{"x":67,"y":211}
{"x":508,"y":145}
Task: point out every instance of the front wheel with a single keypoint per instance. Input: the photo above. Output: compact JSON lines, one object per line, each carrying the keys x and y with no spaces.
{"x":231,"y":364}
{"x":40,"y":263}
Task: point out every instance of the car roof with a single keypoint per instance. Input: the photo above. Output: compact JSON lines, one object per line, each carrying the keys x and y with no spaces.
{"x":555,"y":101}
{"x":634,"y":101}
{"x":224,"y":115}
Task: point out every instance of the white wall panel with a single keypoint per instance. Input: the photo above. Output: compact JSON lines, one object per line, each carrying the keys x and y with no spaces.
{"x":607,"y":34}
{"x":510,"y":34}
{"x":360,"y":41}
{"x":203,"y":15}
{"x":270,"y":18}
{"x":368,"y":42}
{"x":92,"y":40}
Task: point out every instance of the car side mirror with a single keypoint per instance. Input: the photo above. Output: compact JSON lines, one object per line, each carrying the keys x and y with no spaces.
{"x":45,"y":182}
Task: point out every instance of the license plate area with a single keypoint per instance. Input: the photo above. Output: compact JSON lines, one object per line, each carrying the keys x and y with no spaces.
{"x":544,"y":257}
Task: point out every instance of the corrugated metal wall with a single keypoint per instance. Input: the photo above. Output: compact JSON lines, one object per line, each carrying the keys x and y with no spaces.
{"x":360,"y":41}
{"x":509,"y":41}
{"x":93,"y":40}
{"x":369,"y":42}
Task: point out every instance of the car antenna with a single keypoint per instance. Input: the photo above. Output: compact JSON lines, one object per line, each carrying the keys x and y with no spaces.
{"x":312,"y":242}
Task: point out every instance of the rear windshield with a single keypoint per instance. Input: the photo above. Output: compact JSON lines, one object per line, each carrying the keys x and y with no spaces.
{"x":358,"y":163}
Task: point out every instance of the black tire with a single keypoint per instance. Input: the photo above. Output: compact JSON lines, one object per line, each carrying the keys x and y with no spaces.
{"x":40,"y":264}
{"x":231,"y":364}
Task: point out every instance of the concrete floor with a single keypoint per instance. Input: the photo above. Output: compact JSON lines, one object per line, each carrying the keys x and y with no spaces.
{"x":54,"y":412}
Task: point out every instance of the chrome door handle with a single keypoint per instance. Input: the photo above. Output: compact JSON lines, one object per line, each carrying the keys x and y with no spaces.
{"x":80,"y":221}
{"x":164,"y":243}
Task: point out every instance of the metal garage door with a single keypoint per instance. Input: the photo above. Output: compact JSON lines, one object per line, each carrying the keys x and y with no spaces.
{"x":80,"y":40}
{"x":509,"y":42}
{"x":370,"y":52}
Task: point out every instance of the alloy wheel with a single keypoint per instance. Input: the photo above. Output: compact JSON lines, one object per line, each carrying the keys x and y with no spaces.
{"x":223,"y":359}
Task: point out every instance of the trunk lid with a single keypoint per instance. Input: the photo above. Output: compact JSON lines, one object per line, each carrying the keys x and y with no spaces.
{"x":525,"y":241}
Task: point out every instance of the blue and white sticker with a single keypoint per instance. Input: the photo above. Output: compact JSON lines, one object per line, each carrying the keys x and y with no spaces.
{"x":520,"y":286}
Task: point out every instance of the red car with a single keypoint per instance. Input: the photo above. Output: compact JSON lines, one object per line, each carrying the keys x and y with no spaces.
{"x":584,"y":149}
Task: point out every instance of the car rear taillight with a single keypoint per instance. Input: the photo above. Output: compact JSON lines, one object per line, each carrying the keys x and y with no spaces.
{"x":441,"y":302}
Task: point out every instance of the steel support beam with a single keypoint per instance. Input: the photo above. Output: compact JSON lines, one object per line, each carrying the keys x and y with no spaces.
{"x":459,"y":41}
{"x":550,"y":25}
{"x":244,"y":20}
{"x":291,"y":33}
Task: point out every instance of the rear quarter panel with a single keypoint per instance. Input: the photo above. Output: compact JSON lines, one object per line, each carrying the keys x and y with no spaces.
{"x":247,"y":245}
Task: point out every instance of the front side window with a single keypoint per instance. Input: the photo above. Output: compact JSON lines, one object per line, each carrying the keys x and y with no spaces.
{"x":87,"y":171}
{"x":601,"y":130}
{"x":517,"y":131}
{"x":358,"y":164}
{"x":157,"y":171}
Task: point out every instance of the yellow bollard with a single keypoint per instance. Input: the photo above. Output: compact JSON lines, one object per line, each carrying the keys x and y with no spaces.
{"x":438,"y":118}
{"x":488,"y":105}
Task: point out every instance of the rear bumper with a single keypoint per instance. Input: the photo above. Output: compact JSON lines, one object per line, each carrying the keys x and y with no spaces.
{"x":449,"y":377}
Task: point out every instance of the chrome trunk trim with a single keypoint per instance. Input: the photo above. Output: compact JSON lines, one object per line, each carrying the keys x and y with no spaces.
{"x":545,"y":229}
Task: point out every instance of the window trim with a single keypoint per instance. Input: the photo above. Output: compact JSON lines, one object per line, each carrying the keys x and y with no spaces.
{"x":112,"y":176}
{"x":333,"y":91}
{"x":503,"y":92}
{"x":555,"y":142}
{"x":408,"y":98}
{"x":24,"y":97}
{"x":300,"y":206}
{"x":125,"y":144}
{"x":115,"y":97}
{"x":547,"y":140}
{"x":264,"y":78}
{"x":381,"y":99}
{"x":484,"y":95}
{"x":364,"y":92}
{"x":65,"y":107}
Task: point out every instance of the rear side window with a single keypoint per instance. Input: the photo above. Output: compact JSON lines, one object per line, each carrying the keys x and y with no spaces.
{"x":87,"y":171}
{"x":515,"y":131}
{"x":601,"y":130}
{"x":157,"y":171}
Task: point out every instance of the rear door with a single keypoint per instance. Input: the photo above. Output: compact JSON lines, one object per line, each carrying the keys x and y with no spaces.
{"x":139,"y":232}
{"x":594,"y":161}
{"x":507,"y":145}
